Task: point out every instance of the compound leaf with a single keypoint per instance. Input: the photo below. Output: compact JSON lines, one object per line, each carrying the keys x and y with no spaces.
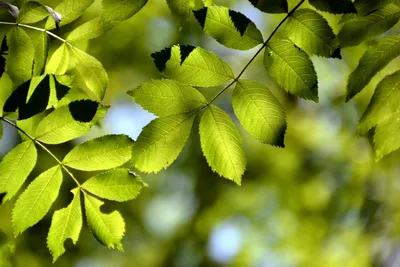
{"x":66,"y":223}
{"x":192,"y":65}
{"x":108,"y":229}
{"x":167,"y":97}
{"x":230,"y":28}
{"x":386,"y":138}
{"x":32,"y":12}
{"x":357,"y":29}
{"x":312,"y":33}
{"x":291,"y":68}
{"x":221,"y":144}
{"x":41,"y":52}
{"x":101,"y":153}
{"x":271,"y":6}
{"x":117,"y":185}
{"x":384,"y":103}
{"x":161,"y":141}
{"x":373,"y":60}
{"x":15,"y":168}
{"x":36,"y":200}
{"x":259,"y":112}
{"x":59,"y":61}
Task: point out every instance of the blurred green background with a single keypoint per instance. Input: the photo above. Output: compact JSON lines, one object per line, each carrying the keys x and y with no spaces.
{"x":322,"y":201}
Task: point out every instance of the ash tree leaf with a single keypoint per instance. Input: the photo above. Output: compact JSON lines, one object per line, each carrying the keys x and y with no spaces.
{"x":3,"y":53}
{"x":117,"y":185}
{"x":221,"y":144}
{"x":334,"y":6}
{"x":120,"y":10}
{"x":230,"y":28}
{"x":29,"y":125}
{"x":101,"y":153}
{"x":89,"y":30}
{"x":57,"y":91}
{"x":161,"y":141}
{"x":6,"y":86}
{"x":108,"y":229}
{"x":60,"y":125}
{"x":192,"y":65}
{"x":358,"y":29}
{"x":386,"y":138}
{"x":17,"y":98}
{"x":90,"y":73}
{"x":70,"y":11}
{"x":41,"y":51}
{"x":20,"y":55}
{"x":36,"y":200}
{"x":181,"y":10}
{"x":37,"y":101}
{"x":291,"y":68}
{"x":32,"y":12}
{"x":384,"y":103}
{"x":59,"y":61}
{"x":271,"y":6}
{"x":15,"y":168}
{"x":259,"y":112}
{"x":366,"y":6}
{"x":13,"y":10}
{"x":312,"y":33}
{"x":66,"y":223}
{"x":167,"y":97}
{"x":373,"y":60}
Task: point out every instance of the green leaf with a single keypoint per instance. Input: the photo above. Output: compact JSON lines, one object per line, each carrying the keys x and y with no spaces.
{"x":259,"y":112}
{"x":161,"y":141}
{"x":221,"y":144}
{"x":230,"y":28}
{"x":312,"y":33}
{"x":181,"y":10}
{"x":15,"y":168}
{"x":102,"y":153}
{"x":41,"y":52}
{"x":66,"y":223}
{"x":29,"y":125}
{"x":20,"y":56}
{"x":70,"y":11}
{"x":60,"y":125}
{"x":271,"y":6}
{"x":366,"y":6}
{"x":120,"y":10}
{"x":192,"y":65}
{"x":384,"y":103}
{"x":6,"y":86}
{"x":90,"y":74}
{"x":117,"y":185}
{"x":386,"y":138}
{"x":291,"y":68}
{"x":36,"y":200}
{"x":357,"y":29}
{"x":89,"y":30}
{"x":59,"y":61}
{"x":108,"y":229}
{"x":334,"y":6}
{"x":208,"y":2}
{"x":373,"y":60}
{"x":167,"y":97}
{"x":32,"y":12}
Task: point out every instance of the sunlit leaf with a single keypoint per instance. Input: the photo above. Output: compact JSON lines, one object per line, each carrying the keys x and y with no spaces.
{"x":102,"y":153}
{"x":118,"y":185}
{"x":32,"y":12}
{"x":161,"y":141}
{"x":89,"y":30}
{"x":271,"y":6}
{"x":6,"y":90}
{"x":167,"y":97}
{"x":108,"y":229}
{"x":66,"y":223}
{"x":59,"y":61}
{"x":228,"y":27}
{"x":119,"y":10}
{"x":15,"y":168}
{"x":386,"y":138}
{"x":291,"y":68}
{"x":29,"y":125}
{"x":41,"y":52}
{"x":192,"y":65}
{"x":221,"y":144}
{"x":373,"y":60}
{"x":36,"y":200}
{"x":259,"y":112}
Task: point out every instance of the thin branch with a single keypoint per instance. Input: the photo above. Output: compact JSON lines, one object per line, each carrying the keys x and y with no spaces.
{"x":44,"y":148}
{"x":258,"y":52}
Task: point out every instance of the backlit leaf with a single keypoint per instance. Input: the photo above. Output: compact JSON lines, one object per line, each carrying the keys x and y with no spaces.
{"x":221,"y":144}
{"x":6,"y":90}
{"x":89,"y":30}
{"x":118,"y":185}
{"x":41,"y":52}
{"x":59,"y":61}
{"x":36,"y":200}
{"x":32,"y":12}
{"x":119,"y":10}
{"x":386,"y":138}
